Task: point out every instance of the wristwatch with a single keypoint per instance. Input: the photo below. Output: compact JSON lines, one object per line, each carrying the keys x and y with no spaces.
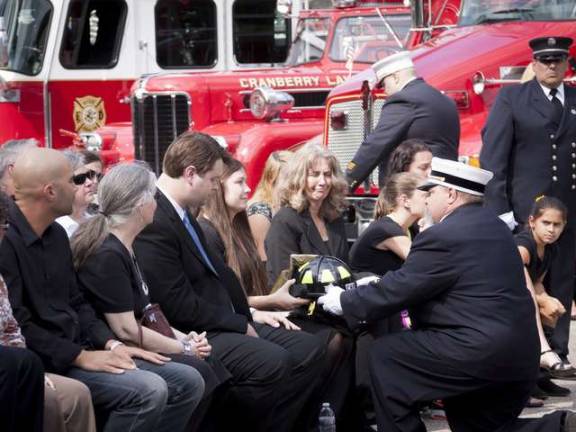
{"x":186,"y":347}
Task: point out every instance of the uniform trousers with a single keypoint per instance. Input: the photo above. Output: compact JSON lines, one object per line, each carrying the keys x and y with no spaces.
{"x":406,"y":374}
{"x":273,"y":376}
{"x":21,"y":390}
{"x":68,"y":406}
{"x":560,"y":284}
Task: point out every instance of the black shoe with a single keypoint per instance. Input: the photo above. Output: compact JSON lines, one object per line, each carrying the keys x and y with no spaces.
{"x":538,"y":393}
{"x":551,"y":389}
{"x":569,"y":423}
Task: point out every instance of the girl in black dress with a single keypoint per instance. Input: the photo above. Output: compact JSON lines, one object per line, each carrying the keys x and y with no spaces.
{"x":385,"y":244}
{"x":536,"y":245}
{"x":112,"y":281}
{"x":381,"y":248}
{"x":223,"y":220}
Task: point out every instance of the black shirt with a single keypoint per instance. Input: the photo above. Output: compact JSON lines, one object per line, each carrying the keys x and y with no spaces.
{"x":366,"y":257}
{"x":536,"y":267}
{"x":110,"y":280}
{"x":55,"y":319}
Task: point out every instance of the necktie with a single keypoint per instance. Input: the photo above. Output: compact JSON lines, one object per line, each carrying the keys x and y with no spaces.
{"x":557,"y":107}
{"x":197,"y":242}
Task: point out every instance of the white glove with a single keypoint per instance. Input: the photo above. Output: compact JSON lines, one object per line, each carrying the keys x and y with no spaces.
{"x":367,"y":280}
{"x":508,"y":219}
{"x":331,"y":300}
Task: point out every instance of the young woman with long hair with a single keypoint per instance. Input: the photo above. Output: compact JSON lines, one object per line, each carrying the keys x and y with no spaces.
{"x":224,"y":224}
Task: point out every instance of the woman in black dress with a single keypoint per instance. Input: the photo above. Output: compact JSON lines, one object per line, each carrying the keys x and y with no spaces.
{"x":224,"y":222}
{"x":381,"y":248}
{"x":385,"y":244}
{"x":112,"y":281}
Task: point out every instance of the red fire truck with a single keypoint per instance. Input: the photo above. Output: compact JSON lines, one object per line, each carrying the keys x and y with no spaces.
{"x":254,"y":112}
{"x":470,"y":61}
{"x":70,"y":64}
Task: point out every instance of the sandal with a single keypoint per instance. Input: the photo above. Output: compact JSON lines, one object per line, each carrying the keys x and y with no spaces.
{"x":558,"y":369}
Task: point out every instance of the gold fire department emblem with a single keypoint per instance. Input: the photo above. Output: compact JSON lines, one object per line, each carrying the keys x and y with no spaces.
{"x":89,"y":113}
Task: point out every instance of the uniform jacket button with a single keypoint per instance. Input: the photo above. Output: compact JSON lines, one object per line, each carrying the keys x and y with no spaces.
{"x":554,"y":178}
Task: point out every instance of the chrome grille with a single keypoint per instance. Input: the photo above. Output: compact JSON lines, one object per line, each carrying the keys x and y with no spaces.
{"x":376,"y":111}
{"x":157,"y":119}
{"x":344,"y":143}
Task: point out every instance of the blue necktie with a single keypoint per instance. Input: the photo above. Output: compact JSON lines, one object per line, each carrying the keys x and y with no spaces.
{"x":197,"y":241}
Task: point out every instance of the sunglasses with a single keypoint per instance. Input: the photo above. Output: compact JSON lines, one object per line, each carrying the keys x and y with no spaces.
{"x":80,"y":179}
{"x":549,"y":60}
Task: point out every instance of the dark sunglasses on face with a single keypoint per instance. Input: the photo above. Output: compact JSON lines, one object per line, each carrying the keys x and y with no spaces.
{"x":80,"y":179}
{"x":549,"y":60}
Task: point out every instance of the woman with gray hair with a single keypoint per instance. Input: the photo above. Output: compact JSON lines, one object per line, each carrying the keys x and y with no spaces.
{"x":86,"y":181}
{"x":113,"y":283}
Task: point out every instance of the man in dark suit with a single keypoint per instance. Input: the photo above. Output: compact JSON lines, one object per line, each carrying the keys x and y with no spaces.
{"x":274,"y":370}
{"x":474,"y":342}
{"x":529,"y":143}
{"x":413,"y":109}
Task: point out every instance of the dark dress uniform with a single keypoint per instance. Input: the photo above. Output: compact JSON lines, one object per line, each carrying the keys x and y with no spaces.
{"x":416,"y":111}
{"x":474,"y":344}
{"x":530,"y":155}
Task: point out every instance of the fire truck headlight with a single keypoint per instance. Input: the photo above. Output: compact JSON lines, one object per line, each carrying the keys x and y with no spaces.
{"x":92,"y":141}
{"x":478,"y":83}
{"x":266,"y":103}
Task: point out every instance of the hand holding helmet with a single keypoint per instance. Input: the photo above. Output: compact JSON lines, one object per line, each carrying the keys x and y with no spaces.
{"x":331,"y":300}
{"x":283,"y":300}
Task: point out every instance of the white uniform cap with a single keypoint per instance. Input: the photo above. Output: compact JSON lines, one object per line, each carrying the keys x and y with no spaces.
{"x":392,"y":64}
{"x":457,"y":175}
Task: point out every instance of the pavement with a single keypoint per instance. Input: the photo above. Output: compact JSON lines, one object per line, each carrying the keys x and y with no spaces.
{"x":551,"y":404}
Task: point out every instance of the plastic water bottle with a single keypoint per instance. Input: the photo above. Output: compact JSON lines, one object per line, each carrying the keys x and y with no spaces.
{"x":326,"y":419}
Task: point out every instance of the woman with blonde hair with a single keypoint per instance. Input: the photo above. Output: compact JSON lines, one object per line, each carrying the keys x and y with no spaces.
{"x":261,"y":207}
{"x":312,"y":194}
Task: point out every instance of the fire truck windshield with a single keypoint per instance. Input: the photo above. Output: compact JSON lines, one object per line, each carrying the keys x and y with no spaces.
{"x":367,"y":39}
{"x":488,"y":11}
{"x":363,"y":39}
{"x":26,"y":26}
{"x":310,"y":41}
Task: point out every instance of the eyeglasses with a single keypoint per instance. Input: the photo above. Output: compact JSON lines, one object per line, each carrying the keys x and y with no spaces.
{"x":80,"y":179}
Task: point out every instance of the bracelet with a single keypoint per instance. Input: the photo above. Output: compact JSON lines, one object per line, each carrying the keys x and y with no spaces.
{"x":186,"y":347}
{"x":115,"y":344}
